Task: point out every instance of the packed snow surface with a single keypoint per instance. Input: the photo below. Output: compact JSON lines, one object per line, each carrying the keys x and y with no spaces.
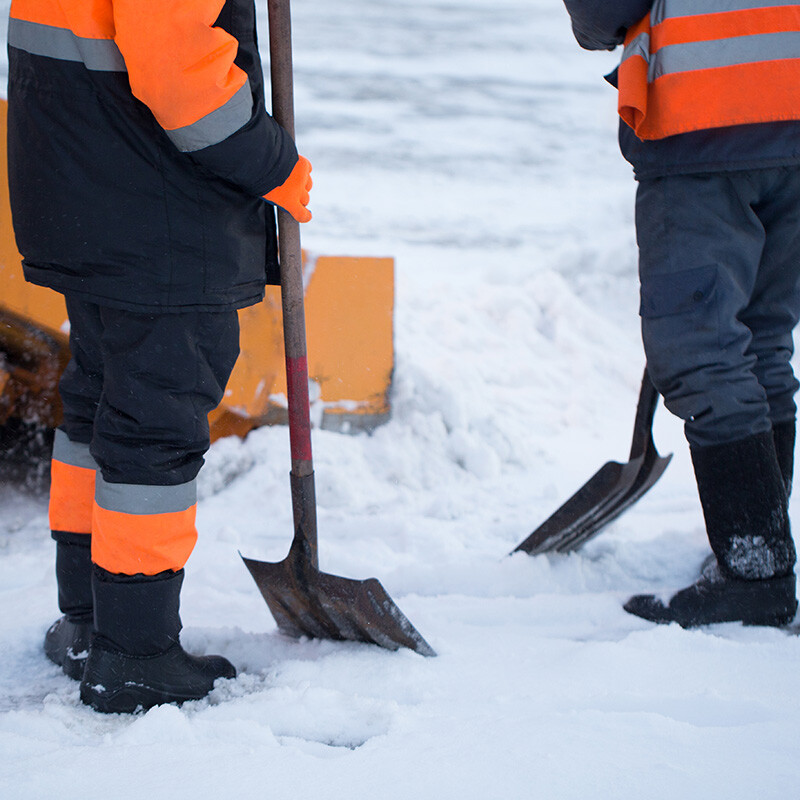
{"x":474,"y":142}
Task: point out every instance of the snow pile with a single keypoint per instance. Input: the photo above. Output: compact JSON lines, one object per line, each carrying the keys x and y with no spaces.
{"x":474,"y":142}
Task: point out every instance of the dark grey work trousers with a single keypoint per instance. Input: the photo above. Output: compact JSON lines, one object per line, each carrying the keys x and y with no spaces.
{"x":719,"y":266}
{"x":139,"y":387}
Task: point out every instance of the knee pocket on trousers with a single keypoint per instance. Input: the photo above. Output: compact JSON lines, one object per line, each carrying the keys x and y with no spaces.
{"x":678,"y":293}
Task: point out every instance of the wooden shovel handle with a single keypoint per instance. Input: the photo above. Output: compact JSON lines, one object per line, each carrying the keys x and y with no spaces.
{"x":304,"y":509}
{"x":294,"y":319}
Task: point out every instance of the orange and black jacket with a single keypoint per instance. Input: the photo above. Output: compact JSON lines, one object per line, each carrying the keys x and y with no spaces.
{"x":704,"y":85}
{"x":139,"y":150}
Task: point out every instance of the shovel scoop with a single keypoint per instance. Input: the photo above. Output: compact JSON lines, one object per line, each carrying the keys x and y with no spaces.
{"x":614,"y":488}
{"x":308,"y":602}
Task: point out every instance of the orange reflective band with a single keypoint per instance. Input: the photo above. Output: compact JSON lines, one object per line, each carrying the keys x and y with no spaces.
{"x":90,"y":19}
{"x":772,"y":89}
{"x":633,"y":102}
{"x":724,"y":25}
{"x":179,"y":64}
{"x":71,"y":497}
{"x":130,"y":544}
{"x":696,"y":71}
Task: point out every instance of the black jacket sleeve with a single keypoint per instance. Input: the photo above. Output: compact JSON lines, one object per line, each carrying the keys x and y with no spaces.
{"x":257,"y":158}
{"x":602,"y":24}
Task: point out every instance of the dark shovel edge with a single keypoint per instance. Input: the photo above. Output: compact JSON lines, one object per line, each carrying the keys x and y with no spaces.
{"x":607,"y":486}
{"x":610,"y":491}
{"x":651,"y":470}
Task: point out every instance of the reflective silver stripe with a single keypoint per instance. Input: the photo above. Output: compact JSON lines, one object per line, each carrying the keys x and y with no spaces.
{"x":662,"y":9}
{"x":128,"y":498}
{"x":72,"y":453}
{"x":216,"y":126}
{"x":639,"y":46}
{"x":101,"y":55}
{"x":724,"y":53}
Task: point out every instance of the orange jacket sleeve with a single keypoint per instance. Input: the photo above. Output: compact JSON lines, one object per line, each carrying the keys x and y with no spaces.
{"x":182,"y":66}
{"x":179,"y":64}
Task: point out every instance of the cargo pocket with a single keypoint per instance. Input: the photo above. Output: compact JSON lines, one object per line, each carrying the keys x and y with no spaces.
{"x":677,"y":293}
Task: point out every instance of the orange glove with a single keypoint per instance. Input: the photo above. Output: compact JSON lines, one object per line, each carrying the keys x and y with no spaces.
{"x":292,"y":194}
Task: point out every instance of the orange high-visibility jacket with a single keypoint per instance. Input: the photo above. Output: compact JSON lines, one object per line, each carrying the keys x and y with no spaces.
{"x":693,"y":65}
{"x":139,"y":151}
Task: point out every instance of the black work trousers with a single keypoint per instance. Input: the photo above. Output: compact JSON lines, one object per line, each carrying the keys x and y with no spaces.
{"x":719,"y":265}
{"x":139,"y":387}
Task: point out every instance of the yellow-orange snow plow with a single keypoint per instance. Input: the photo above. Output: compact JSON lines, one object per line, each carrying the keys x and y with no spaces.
{"x":349,"y":316}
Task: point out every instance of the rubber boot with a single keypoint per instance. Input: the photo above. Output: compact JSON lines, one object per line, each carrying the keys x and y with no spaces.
{"x":745,"y":508}
{"x":136,"y":660}
{"x":67,"y":641}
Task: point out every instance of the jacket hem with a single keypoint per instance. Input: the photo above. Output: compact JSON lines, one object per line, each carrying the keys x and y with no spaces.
{"x":663,"y":171}
{"x":222,"y":304}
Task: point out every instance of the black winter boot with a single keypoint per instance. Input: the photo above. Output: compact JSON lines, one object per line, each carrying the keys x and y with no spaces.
{"x":716,"y":598}
{"x":66,"y":643}
{"x":745,"y":508}
{"x":135,"y":660}
{"x":783,"y":436}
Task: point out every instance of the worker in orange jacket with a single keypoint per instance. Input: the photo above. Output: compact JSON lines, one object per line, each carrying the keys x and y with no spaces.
{"x":144,"y":171}
{"x":709,"y":100}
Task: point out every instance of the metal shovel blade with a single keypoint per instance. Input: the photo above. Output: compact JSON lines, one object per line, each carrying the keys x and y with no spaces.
{"x":651,"y":470}
{"x":607,"y":486}
{"x":610,"y":491}
{"x":307,"y":602}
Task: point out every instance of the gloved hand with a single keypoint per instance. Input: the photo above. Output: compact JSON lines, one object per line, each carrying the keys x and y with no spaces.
{"x":292,"y":194}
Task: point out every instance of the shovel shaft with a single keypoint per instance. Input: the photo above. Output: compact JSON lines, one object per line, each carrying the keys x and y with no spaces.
{"x":280,"y":63}
{"x":645,"y":412}
{"x":304,"y":509}
{"x":294,"y":319}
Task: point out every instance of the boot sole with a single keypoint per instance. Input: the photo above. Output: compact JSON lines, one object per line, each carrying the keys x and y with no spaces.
{"x":741,"y":604}
{"x":777,"y":618}
{"x":130,"y":699}
{"x":116,"y":683}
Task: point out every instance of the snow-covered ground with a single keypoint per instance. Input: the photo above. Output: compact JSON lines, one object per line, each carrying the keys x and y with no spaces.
{"x":474,"y":142}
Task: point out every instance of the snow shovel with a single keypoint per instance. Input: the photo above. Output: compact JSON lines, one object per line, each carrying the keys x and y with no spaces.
{"x":303,"y":600}
{"x":610,"y":491}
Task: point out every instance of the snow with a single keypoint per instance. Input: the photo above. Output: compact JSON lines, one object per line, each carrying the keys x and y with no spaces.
{"x":474,"y":142}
